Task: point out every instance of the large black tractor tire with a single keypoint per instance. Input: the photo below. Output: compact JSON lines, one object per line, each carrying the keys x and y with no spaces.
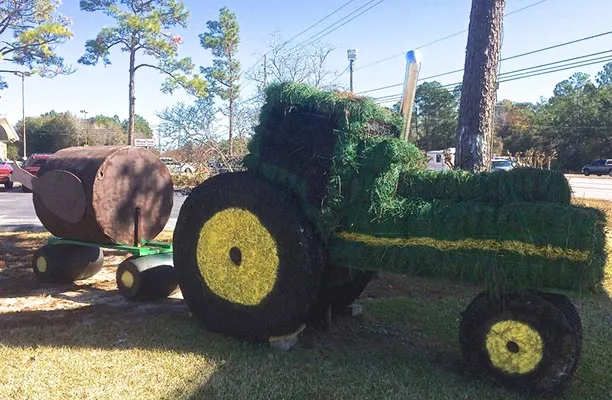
{"x":66,"y":263}
{"x":521,"y":340}
{"x":147,"y":278}
{"x":247,"y":261}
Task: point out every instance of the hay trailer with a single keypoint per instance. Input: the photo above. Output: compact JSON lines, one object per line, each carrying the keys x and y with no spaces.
{"x":332,"y":194}
{"x":94,"y":198}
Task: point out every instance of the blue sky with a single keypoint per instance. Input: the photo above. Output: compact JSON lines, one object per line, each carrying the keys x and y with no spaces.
{"x":392,"y":27}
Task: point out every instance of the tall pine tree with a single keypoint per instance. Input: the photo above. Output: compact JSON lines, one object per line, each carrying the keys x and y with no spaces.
{"x":142,"y":30}
{"x":478,"y":92}
{"x":222,"y":39}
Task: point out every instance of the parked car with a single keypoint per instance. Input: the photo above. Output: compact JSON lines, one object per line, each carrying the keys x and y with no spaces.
{"x":33,"y":164}
{"x":5,"y":174}
{"x":176,"y":167}
{"x":598,"y":168}
{"x":501,"y":165}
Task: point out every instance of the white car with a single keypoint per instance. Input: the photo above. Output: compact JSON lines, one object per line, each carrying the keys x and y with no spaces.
{"x":177,"y":167}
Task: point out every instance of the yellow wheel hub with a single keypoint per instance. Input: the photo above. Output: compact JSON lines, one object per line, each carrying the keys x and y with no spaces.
{"x":514,"y":347}
{"x":41,"y":264}
{"x":127,"y":279}
{"x":238,"y":257}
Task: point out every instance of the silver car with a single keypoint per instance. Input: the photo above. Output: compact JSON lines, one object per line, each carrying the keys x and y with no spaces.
{"x":501,"y":165}
{"x":598,"y":168}
{"x":176,"y":167}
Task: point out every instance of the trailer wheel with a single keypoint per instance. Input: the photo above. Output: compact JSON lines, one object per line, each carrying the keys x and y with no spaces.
{"x":66,"y":263}
{"x":342,"y":286}
{"x":521,"y":340}
{"x":146,"y":278}
{"x":247,"y":261}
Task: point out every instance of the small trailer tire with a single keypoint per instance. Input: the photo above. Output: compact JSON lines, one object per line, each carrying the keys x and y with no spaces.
{"x":66,"y":263}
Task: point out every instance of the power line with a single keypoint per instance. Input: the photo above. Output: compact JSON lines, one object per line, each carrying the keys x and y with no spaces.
{"x":445,"y":37}
{"x":321,"y":34}
{"x":306,"y":30}
{"x":339,"y":75}
{"x":558,"y":45}
{"x":513,"y":76}
{"x":319,"y":21}
{"x":503,"y":59}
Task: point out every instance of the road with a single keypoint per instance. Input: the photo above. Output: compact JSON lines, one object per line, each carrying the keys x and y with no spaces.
{"x":17,"y":212}
{"x":592,"y":187}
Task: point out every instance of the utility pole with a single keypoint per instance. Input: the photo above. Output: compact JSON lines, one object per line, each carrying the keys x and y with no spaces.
{"x":23,"y":74}
{"x":352,"y":56}
{"x":265,"y":67}
{"x":479,"y":88}
{"x":86,"y":127}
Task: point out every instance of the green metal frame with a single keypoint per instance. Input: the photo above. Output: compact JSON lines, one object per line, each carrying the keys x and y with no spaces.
{"x":146,"y":249}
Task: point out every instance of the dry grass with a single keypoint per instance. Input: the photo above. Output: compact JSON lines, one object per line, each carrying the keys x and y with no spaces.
{"x":404,"y":346}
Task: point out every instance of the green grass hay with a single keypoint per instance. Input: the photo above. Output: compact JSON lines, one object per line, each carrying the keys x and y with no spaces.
{"x":342,"y":156}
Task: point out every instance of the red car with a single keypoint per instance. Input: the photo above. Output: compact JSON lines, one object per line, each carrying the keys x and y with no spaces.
{"x":5,"y":174}
{"x":33,"y":164}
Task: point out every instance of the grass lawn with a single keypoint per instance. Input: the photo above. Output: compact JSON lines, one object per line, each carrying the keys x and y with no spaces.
{"x":84,"y":341}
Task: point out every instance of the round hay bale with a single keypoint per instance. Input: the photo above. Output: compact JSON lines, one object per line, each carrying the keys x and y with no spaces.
{"x":95,"y":194}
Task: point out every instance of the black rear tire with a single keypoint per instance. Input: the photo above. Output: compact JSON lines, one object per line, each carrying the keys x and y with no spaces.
{"x":8,"y":185}
{"x":247,"y":261}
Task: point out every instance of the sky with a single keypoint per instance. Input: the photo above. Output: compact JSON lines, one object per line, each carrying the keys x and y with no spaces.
{"x":389,"y":28}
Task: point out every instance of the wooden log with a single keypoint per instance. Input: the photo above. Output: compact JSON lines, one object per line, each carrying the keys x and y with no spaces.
{"x":96,"y":194}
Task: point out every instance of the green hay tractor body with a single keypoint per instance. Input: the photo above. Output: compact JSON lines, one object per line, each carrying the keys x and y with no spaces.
{"x":332,"y":194}
{"x":377,"y":208}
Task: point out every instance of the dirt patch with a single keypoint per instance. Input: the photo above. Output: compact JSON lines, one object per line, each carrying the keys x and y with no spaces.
{"x":25,"y":301}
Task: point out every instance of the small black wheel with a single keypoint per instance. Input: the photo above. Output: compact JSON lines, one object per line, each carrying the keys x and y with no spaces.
{"x":8,"y":185}
{"x":248,"y":263}
{"x":610,"y":172}
{"x":147,"y":278}
{"x":521,"y":340}
{"x":342,"y":286}
{"x":66,"y":263}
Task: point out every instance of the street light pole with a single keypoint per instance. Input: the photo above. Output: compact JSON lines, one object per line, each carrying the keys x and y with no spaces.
{"x":352,"y":56}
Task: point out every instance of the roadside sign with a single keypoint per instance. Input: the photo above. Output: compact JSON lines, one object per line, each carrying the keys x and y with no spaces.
{"x":144,"y":142}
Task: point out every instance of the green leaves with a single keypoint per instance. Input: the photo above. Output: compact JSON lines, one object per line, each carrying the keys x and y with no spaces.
{"x":223,"y":39}
{"x":30,"y":31}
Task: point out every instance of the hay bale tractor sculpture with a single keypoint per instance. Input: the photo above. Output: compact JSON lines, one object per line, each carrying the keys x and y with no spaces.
{"x":118,"y":198}
{"x":331,"y":194}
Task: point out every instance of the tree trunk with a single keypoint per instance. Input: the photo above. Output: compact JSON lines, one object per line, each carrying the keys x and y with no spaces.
{"x":131,"y":122}
{"x":478,"y":92}
{"x":231,"y":124}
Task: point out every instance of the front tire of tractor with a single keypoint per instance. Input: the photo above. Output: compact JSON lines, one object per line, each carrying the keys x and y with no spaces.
{"x":66,"y":263}
{"x":520,"y":340}
{"x":248,"y":263}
